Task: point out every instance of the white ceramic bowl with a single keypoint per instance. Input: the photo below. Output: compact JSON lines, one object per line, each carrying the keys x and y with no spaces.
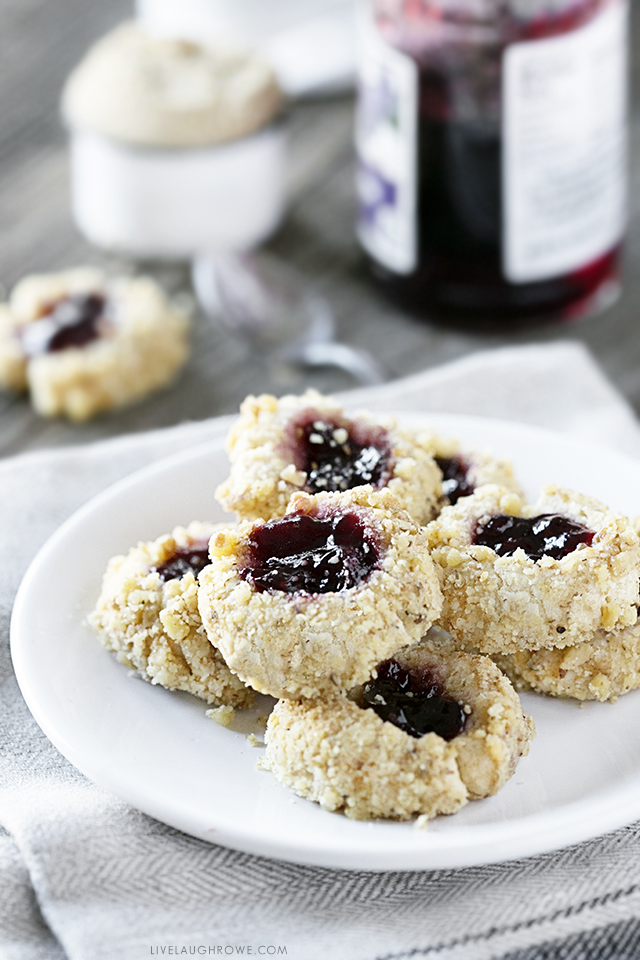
{"x":157,"y":203}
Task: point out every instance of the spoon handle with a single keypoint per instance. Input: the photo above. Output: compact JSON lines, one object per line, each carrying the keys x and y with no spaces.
{"x":329,"y":353}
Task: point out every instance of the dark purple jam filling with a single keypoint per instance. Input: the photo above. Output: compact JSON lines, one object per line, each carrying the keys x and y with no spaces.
{"x":185,"y":560}
{"x":455,"y":478}
{"x":414,"y":701}
{"x":303,"y":554}
{"x":549,"y":535}
{"x":71,"y":322}
{"x":337,"y":454}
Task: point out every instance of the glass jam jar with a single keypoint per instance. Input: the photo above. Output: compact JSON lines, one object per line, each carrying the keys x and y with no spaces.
{"x":491,"y":142}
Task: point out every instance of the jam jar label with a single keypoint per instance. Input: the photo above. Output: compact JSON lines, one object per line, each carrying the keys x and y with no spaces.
{"x":564,"y":134}
{"x":386,"y":145}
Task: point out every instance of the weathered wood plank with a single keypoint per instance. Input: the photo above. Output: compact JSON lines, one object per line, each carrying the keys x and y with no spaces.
{"x":40,"y":42}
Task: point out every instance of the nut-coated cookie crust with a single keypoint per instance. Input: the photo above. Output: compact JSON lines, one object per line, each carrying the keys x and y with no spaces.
{"x":602,"y":668}
{"x":155,"y":628}
{"x":264,"y":477}
{"x":309,"y":645}
{"x":348,"y":759}
{"x":497,"y":604}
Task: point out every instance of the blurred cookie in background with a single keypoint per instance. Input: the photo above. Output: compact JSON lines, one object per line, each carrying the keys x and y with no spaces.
{"x":82,"y":343}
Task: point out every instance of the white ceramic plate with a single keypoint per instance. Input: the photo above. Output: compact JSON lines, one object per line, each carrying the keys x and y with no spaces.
{"x":158,"y":751}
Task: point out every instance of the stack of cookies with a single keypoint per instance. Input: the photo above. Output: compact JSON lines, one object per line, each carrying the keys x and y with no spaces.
{"x":383,"y":585}
{"x":550,"y":591}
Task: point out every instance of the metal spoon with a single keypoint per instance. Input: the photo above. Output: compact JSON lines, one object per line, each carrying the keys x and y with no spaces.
{"x":269,"y":306}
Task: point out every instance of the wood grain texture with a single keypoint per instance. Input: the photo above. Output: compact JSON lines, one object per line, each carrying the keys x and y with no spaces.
{"x":40,"y":42}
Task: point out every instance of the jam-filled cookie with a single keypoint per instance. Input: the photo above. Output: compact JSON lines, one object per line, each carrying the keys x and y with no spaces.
{"x":306,"y":604}
{"x":432,"y":729}
{"x":306,"y":443}
{"x":602,"y":668}
{"x":148,"y":615}
{"x":517,"y":577}
{"x":464,"y":470}
{"x":83,"y":344}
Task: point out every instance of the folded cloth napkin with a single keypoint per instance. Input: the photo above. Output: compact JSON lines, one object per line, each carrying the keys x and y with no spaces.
{"x":84,"y":876}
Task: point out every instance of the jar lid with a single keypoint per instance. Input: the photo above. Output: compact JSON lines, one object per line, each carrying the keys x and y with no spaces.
{"x":161,"y":92}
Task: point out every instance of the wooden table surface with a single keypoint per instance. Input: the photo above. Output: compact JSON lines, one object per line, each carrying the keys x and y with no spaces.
{"x":41,"y":41}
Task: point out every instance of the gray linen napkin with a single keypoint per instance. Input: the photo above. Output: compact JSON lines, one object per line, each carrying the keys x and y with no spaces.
{"x":84,"y":876}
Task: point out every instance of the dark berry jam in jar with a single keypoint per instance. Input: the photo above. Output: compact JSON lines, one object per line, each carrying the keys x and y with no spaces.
{"x":491,"y":142}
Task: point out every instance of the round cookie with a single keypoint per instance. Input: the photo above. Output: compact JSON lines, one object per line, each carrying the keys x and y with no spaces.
{"x":305,"y":605}
{"x":346,"y":757}
{"x":148,"y":615}
{"x":602,"y":668}
{"x":505,"y":603}
{"x":84,"y":344}
{"x":305,"y":443}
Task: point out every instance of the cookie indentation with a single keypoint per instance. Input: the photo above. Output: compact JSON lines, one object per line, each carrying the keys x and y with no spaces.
{"x":455,"y":478}
{"x":73,"y":321}
{"x":188,"y":559}
{"x":337,"y":454}
{"x":306,"y":554}
{"x":547,"y":535}
{"x":415,"y":701}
